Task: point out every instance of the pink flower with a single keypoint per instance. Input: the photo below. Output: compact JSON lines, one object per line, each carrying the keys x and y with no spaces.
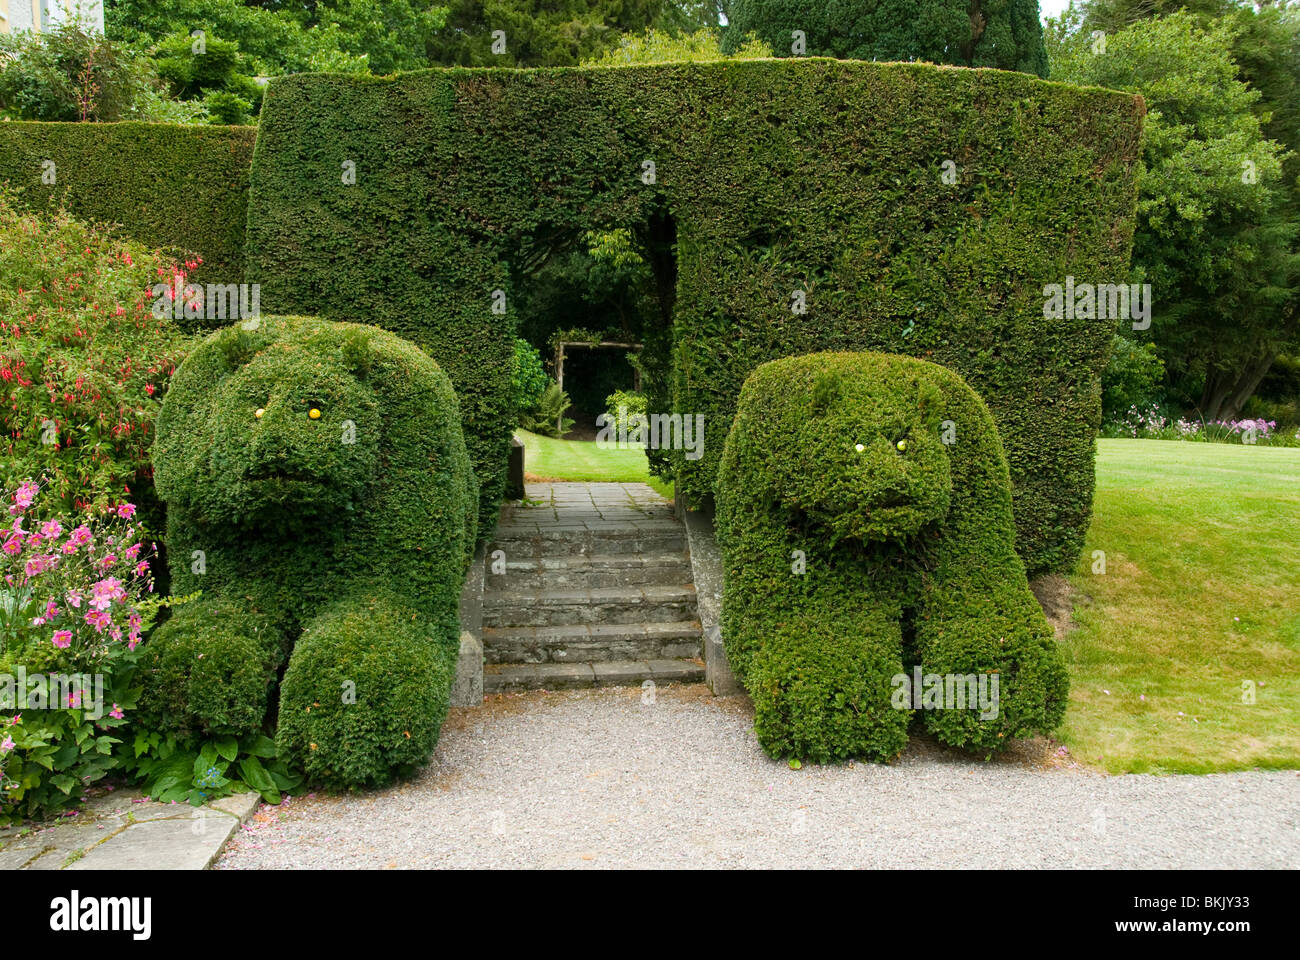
{"x":51,"y":609}
{"x":13,"y":546}
{"x":7,"y":745}
{"x":105,"y":592}
{"x":142,"y":568}
{"x":62,"y":638}
{"x":107,"y":561}
{"x":74,"y":598}
{"x":116,"y":712}
{"x":126,"y":510}
{"x":51,"y":529}
{"x":36,"y":565}
{"x":99,"y":619}
{"x":25,"y":495}
{"x":133,"y":551}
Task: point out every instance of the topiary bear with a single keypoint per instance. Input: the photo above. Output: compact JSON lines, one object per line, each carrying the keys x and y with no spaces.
{"x":319,"y":495}
{"x":864,"y":517}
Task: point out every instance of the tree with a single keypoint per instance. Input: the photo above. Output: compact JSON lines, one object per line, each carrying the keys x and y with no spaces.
{"x":971,"y":33}
{"x":1219,"y":205}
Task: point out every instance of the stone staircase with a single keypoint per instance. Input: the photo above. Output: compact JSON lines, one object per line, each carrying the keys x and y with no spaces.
{"x":589,"y":585}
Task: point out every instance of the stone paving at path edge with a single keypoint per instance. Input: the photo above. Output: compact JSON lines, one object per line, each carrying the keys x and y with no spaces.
{"x":122,"y":830}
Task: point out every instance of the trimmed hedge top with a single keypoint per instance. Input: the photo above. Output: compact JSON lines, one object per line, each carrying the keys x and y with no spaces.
{"x":909,"y":208}
{"x":180,"y":187}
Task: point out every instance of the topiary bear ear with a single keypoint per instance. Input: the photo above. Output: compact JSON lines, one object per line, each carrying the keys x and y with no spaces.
{"x":238,"y":345}
{"x":826,"y":391}
{"x":356,"y":352}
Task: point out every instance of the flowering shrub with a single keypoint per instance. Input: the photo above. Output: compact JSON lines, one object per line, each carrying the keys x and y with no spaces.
{"x":1151,"y":423}
{"x":75,"y":598}
{"x":83,"y":361}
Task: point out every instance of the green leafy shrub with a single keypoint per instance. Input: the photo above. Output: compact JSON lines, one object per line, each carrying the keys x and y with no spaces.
{"x":835,"y":187}
{"x":84,"y":363}
{"x":74,"y":601}
{"x":180,"y":770}
{"x":621,"y":406}
{"x":529,"y":379}
{"x":1132,"y":377}
{"x":549,"y":418}
{"x":319,"y":494}
{"x":864,"y":518}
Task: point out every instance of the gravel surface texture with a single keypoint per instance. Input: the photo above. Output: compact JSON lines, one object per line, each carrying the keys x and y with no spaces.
{"x":599,"y":778}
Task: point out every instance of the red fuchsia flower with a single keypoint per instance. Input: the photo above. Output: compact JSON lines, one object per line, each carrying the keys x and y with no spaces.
{"x":51,"y":529}
{"x":62,"y":638}
{"x":126,"y":510}
{"x":99,"y":619}
{"x":116,"y":713}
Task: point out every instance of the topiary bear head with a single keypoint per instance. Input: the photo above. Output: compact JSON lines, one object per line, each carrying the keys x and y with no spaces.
{"x":850,"y":440}
{"x":270,"y":427}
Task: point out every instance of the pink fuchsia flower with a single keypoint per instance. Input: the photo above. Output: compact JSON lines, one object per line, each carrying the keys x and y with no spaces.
{"x":126,"y":510}
{"x":7,"y":745}
{"x":99,"y":619}
{"x":51,"y":529}
{"x":62,"y":638}
{"x":116,"y":713}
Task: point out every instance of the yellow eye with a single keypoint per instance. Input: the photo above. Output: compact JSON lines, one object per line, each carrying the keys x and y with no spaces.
{"x":314,"y":413}
{"x":258,"y":413}
{"x":902,"y":444}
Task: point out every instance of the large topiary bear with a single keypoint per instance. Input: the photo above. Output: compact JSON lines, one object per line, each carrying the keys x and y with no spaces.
{"x":320,"y":496}
{"x":864,"y":516}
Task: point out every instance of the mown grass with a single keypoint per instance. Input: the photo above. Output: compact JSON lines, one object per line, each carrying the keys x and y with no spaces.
{"x":1200,"y":596}
{"x":549,"y":459}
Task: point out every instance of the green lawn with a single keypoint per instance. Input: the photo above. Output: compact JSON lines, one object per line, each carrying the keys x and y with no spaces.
{"x":1201,"y":593}
{"x":576,"y":460}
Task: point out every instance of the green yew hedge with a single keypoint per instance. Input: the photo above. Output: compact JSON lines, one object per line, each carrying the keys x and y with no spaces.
{"x":770,"y":177}
{"x":179,"y":187}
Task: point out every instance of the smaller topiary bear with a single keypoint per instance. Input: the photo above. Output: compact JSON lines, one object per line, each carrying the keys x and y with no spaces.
{"x":864,"y":517}
{"x":319,"y":495}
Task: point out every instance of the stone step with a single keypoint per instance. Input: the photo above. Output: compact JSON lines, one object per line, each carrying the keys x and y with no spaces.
{"x":520,"y":541}
{"x":592,"y":643}
{"x":512,"y":677}
{"x":598,"y":605}
{"x":582,"y":572}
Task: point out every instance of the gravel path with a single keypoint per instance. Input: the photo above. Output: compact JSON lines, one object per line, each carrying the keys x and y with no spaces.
{"x":600,"y":779}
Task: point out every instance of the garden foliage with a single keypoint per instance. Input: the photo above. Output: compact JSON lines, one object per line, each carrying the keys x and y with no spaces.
{"x":864,"y":518}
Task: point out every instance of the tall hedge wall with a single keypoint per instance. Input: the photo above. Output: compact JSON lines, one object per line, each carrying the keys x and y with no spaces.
{"x":181,"y":187}
{"x":772,"y":176}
